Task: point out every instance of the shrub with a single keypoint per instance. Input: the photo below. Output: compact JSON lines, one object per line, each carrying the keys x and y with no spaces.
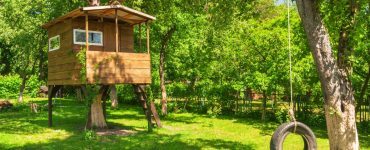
{"x":126,"y":94}
{"x":90,"y":135}
{"x":281,"y":115}
{"x":32,"y":86}
{"x":9,"y":86}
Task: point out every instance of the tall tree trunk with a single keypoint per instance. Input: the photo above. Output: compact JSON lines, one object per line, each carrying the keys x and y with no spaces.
{"x":113,"y":96}
{"x":162,"y":54}
{"x":96,"y":116}
{"x":335,"y":83}
{"x":264,"y":101}
{"x":21,"y":89}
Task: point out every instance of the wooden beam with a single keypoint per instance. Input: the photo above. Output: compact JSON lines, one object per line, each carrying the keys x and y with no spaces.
{"x":147,"y":37}
{"x":50,"y":107}
{"x":140,"y":37}
{"x":52,"y":90}
{"x":155,"y":114}
{"x":87,"y":31}
{"x":116,"y":20}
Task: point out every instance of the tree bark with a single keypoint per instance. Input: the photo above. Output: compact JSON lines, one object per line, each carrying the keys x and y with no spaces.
{"x":264,"y":101}
{"x":162,"y":54}
{"x":21,"y":89}
{"x":335,"y":84}
{"x":113,"y":96}
{"x":96,"y":116}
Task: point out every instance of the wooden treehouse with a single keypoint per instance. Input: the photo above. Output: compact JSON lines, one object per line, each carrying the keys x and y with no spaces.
{"x":97,"y":45}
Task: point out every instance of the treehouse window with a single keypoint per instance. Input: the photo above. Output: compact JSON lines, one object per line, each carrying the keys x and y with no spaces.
{"x":54,"y":43}
{"x":95,"y":37}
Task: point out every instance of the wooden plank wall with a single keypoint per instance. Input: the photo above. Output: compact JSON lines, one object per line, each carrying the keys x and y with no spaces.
{"x":127,"y":38}
{"x":63,"y":66}
{"x":103,"y":65}
{"x":118,"y":68}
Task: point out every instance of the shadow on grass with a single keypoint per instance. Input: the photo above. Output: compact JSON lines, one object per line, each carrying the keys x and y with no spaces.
{"x":142,"y":140}
{"x":268,"y":127}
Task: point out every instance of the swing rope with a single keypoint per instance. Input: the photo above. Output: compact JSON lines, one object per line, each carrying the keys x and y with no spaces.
{"x":293,"y":126}
{"x":291,"y":104}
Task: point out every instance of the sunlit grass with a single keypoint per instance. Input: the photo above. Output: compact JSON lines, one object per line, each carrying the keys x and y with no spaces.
{"x":20,"y":129}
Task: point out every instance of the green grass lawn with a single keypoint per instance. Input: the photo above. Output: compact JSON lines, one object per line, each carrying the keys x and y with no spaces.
{"x":19,"y":129}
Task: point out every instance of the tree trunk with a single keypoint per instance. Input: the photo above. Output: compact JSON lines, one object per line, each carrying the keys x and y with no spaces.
{"x":21,"y":89}
{"x":96,"y":116}
{"x":113,"y":96}
{"x":162,"y":54}
{"x":335,"y":83}
{"x":264,"y":101}
{"x":363,"y":91}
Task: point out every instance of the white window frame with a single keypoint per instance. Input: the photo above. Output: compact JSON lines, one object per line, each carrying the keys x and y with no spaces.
{"x":52,"y":38}
{"x":84,"y":43}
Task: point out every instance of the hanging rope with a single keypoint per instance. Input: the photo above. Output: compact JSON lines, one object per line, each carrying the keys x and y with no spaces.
{"x":291,"y":108}
{"x":299,"y":128}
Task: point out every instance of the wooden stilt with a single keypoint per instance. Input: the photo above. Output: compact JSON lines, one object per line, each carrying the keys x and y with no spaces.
{"x":50,"y":111}
{"x":51,"y":93}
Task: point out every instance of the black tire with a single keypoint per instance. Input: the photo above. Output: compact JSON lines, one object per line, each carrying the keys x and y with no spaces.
{"x":285,"y":129}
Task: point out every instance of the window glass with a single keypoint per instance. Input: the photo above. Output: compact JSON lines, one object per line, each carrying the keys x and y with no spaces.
{"x":95,"y":37}
{"x":54,"y":43}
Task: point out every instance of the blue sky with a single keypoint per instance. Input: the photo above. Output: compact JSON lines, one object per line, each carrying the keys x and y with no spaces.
{"x":279,"y":2}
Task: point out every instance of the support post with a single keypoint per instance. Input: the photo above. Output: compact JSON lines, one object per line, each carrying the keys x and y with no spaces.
{"x":116,"y":21}
{"x":148,"y":37}
{"x":52,"y":90}
{"x":140,"y":48}
{"x":50,"y":106}
{"x":87,"y":30}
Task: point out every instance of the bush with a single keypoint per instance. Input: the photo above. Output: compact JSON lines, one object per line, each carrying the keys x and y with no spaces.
{"x":214,"y":108}
{"x":281,"y":115}
{"x":32,"y":86}
{"x":9,"y":86}
{"x":126,"y":94}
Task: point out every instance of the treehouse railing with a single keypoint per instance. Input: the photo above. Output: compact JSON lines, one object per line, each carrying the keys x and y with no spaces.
{"x":113,"y":68}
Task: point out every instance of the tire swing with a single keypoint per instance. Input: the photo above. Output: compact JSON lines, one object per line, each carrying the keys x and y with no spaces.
{"x":299,"y":128}
{"x":293,"y":126}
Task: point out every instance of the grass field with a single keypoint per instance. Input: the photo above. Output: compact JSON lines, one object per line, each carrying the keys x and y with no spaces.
{"x":20,"y":129}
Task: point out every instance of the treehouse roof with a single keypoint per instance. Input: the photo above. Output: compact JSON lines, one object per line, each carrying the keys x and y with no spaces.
{"x":123,"y":13}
